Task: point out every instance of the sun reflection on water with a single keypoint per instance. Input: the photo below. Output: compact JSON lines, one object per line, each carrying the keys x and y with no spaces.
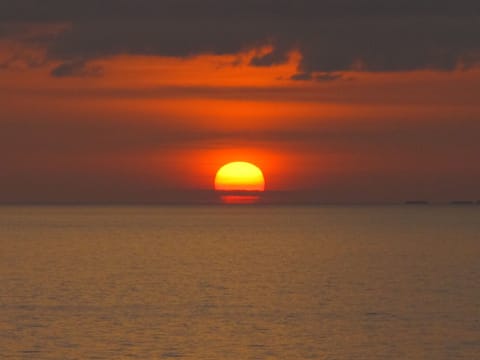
{"x":240,"y":199}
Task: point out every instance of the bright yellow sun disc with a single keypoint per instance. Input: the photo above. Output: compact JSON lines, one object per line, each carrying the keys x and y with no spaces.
{"x":239,"y":176}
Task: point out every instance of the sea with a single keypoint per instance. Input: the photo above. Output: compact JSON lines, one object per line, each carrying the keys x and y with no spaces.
{"x":240,"y":282}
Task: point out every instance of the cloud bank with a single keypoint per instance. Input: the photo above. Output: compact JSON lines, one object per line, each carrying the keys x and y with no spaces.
{"x":332,"y":36}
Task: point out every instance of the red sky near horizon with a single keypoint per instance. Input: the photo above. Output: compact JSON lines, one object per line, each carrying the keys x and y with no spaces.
{"x":146,"y":127}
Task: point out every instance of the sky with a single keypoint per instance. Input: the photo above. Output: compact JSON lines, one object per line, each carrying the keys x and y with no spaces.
{"x":143,"y":100}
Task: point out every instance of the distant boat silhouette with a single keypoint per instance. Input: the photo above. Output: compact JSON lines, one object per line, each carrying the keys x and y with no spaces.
{"x":462,"y":202}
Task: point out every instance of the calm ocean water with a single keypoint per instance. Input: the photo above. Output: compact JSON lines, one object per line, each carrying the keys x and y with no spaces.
{"x":240,"y":282}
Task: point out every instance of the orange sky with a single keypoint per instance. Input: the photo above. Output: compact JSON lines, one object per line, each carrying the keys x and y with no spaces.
{"x":168,"y":123}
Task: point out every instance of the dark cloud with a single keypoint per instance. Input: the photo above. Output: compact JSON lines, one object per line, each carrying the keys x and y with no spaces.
{"x":328,"y":77}
{"x":333,"y":36}
{"x":77,"y":68}
{"x":21,"y":58}
{"x":302,"y":76}
{"x":324,"y":77}
{"x":55,"y":10}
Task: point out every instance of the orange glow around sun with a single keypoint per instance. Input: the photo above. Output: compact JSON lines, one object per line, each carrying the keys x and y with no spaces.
{"x":239,"y":176}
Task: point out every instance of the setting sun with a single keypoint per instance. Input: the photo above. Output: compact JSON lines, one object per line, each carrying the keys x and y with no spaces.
{"x":239,"y":176}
